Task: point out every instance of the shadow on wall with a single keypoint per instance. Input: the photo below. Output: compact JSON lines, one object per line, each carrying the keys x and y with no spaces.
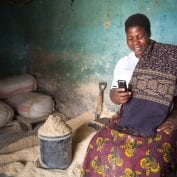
{"x":74,"y":99}
{"x":19,"y":2}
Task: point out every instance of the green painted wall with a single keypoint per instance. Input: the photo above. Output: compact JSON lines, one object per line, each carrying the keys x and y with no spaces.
{"x":71,"y":45}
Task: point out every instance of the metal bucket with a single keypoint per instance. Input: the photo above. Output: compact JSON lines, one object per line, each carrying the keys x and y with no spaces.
{"x":55,"y":152}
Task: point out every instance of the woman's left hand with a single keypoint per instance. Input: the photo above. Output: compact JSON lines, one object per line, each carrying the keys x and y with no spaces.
{"x":169,"y":125}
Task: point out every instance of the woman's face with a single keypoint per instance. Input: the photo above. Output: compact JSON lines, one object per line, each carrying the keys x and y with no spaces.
{"x":137,"y":40}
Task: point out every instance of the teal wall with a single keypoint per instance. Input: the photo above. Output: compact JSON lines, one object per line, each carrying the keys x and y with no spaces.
{"x":71,"y":45}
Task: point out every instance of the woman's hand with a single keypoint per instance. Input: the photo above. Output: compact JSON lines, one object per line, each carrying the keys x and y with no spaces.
{"x":169,"y":125}
{"x":119,"y":95}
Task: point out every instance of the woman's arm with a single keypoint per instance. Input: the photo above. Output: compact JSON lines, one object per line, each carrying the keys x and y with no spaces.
{"x":171,"y":123}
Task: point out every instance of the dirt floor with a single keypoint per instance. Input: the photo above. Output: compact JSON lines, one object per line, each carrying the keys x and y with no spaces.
{"x":19,"y":150}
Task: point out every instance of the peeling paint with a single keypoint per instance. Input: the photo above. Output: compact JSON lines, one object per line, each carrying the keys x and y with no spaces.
{"x":107,"y":24}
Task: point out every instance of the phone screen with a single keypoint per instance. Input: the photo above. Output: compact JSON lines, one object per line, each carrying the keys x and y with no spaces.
{"x":122,"y":84}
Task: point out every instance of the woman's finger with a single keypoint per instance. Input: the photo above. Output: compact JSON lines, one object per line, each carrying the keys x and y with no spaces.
{"x":167,"y":126}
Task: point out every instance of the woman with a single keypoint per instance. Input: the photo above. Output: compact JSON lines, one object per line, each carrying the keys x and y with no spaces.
{"x":135,"y":144}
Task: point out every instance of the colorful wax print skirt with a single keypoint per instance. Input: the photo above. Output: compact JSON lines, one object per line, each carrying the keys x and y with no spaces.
{"x":115,"y":154}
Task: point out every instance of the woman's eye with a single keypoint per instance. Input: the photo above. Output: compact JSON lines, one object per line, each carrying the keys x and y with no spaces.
{"x":140,"y":36}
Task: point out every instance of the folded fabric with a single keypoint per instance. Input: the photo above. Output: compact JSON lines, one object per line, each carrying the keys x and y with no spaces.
{"x":153,"y":86}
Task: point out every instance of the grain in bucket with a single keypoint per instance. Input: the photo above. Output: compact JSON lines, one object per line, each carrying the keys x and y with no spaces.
{"x":55,"y":142}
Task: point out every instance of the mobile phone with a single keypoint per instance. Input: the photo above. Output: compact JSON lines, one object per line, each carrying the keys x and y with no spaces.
{"x":122,"y":84}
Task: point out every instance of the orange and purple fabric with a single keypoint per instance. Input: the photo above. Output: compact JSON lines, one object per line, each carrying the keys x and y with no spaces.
{"x":115,"y":154}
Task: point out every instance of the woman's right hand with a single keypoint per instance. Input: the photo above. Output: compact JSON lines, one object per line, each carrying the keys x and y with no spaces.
{"x":119,"y":95}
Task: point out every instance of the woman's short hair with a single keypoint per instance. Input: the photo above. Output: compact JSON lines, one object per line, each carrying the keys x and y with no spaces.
{"x":138,"y":20}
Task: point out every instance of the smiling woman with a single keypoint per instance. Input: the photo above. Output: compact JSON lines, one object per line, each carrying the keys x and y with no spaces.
{"x":136,"y":142}
{"x":138,"y":37}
